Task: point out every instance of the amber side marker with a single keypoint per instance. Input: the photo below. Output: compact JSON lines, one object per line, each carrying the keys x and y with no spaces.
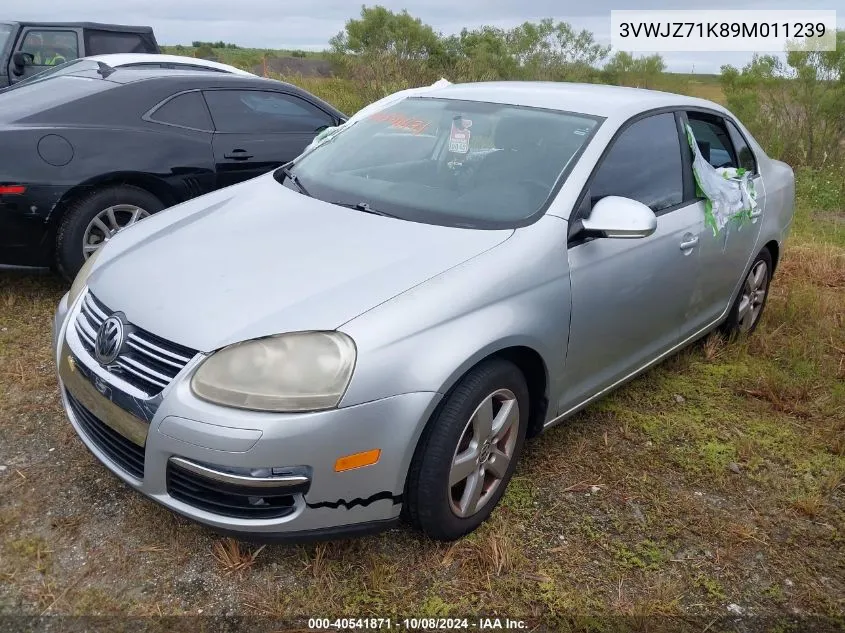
{"x":358,"y":460}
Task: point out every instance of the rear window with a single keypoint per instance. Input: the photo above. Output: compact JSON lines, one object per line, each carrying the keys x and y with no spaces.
{"x":107,"y":42}
{"x":31,"y":99}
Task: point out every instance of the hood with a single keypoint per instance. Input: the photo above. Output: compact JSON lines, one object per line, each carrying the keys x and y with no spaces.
{"x":259,"y":259}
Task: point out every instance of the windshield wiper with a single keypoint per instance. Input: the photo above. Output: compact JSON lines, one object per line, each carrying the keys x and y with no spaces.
{"x":295,"y":180}
{"x":365,"y":207}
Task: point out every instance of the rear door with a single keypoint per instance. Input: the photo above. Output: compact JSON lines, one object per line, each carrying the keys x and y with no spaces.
{"x":631,"y":297}
{"x":726,"y":255}
{"x":259,"y":130}
{"x":48,"y":46}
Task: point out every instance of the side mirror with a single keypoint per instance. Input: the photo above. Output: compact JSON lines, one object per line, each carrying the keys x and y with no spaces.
{"x":617,"y":217}
{"x":21,"y":59}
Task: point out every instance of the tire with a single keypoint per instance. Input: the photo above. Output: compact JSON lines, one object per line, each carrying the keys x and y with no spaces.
{"x":431,"y":505}
{"x":740,"y":320}
{"x":80,"y":213}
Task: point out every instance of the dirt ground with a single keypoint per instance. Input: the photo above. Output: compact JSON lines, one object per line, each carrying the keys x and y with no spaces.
{"x":710,"y":491}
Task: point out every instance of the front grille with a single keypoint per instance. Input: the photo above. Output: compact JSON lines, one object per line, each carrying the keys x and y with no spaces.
{"x":124,"y":453}
{"x":225,"y":500}
{"x":146,"y":361}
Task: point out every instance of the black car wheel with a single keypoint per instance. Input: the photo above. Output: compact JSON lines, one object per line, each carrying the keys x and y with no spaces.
{"x":91,"y":220}
{"x":468,"y":452}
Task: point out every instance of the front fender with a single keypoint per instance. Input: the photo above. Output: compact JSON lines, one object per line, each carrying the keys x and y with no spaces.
{"x":424,"y":340}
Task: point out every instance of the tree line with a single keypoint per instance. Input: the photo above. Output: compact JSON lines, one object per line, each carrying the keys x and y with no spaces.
{"x":794,"y":105}
{"x":386,"y":43}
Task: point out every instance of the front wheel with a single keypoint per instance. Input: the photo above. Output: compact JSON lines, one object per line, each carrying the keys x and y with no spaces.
{"x":748,"y":308}
{"x":468,"y":451}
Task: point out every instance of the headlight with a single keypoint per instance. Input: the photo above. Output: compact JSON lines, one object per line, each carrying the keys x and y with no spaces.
{"x":82,"y":278}
{"x":303,"y":371}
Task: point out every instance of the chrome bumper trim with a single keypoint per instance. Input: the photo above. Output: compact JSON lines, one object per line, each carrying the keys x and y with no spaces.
{"x":80,"y":382}
{"x":281,"y":481}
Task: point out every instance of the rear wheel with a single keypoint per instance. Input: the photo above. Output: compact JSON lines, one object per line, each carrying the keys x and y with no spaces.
{"x":748,"y":308}
{"x":468,"y":452}
{"x":93,"y":219}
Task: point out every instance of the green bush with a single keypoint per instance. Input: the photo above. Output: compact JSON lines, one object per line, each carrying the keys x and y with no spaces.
{"x":796,"y":108}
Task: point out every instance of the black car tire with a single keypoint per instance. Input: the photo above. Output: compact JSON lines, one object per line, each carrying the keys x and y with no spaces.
{"x":427,"y":504}
{"x":733,"y":325}
{"x":81,"y":211}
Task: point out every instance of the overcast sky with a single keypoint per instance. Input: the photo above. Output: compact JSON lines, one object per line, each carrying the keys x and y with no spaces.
{"x":308,"y":24}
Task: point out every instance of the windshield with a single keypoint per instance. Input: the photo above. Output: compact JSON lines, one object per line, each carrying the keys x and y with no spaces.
{"x":443,"y":161}
{"x":5,"y":31}
{"x":67,"y":68}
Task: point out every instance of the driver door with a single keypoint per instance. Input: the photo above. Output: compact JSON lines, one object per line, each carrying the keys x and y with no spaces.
{"x":44,"y":45}
{"x":259,"y":130}
{"x":630,"y":297}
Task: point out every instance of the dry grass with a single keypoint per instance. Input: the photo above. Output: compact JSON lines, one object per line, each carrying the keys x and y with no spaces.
{"x":633,"y":508}
{"x":233,"y":556}
{"x":811,"y":505}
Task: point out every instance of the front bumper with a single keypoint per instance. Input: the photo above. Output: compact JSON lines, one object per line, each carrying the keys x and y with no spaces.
{"x":239,"y":443}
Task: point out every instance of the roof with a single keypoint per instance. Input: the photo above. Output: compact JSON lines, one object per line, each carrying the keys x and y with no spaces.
{"x":196,"y":79}
{"x":122,"y":75}
{"x":91,"y":25}
{"x":595,"y":99}
{"x":116,"y":60}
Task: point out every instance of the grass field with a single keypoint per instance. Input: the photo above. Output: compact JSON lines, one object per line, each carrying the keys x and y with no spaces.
{"x":712,"y":486}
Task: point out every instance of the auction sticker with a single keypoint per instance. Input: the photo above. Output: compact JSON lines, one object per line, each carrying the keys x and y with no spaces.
{"x":459,"y":136}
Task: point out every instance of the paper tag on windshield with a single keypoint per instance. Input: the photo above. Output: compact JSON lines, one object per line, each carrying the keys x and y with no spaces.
{"x":459,"y":136}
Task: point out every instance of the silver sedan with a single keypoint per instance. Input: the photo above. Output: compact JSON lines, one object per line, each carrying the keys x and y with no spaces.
{"x":374,"y":330}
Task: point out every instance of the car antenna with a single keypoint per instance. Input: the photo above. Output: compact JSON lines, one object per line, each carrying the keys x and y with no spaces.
{"x":104,"y":69}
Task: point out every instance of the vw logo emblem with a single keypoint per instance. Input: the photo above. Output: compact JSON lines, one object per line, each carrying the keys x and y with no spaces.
{"x":109,"y":340}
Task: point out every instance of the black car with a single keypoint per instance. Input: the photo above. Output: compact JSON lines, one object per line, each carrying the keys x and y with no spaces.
{"x":87,"y":153}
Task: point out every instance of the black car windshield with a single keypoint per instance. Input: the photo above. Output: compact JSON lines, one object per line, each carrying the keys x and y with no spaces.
{"x":73,"y":66}
{"x":444,"y":161}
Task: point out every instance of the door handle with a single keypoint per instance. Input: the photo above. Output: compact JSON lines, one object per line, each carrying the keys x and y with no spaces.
{"x":689,"y":243}
{"x":238,"y":154}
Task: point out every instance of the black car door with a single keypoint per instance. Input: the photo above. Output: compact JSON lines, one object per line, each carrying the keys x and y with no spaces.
{"x":259,"y":130}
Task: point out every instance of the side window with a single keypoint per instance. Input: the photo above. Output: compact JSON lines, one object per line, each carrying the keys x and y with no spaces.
{"x":185,"y":110}
{"x":256,"y":111}
{"x":50,"y":48}
{"x":713,"y":140}
{"x":744,"y":155}
{"x":644,"y":163}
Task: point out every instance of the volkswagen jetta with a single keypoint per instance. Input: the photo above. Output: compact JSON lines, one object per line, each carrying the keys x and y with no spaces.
{"x":373,"y":330}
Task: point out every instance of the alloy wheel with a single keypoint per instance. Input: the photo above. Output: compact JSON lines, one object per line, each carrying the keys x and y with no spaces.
{"x":753,"y":296}
{"x":484,"y":453}
{"x":107,"y":223}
